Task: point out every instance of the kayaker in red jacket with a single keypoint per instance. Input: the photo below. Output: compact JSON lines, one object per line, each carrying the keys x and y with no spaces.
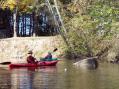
{"x":30,"y":58}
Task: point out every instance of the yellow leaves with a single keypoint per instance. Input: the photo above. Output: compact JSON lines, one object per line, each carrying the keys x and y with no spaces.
{"x":22,"y":7}
{"x":21,"y":4}
{"x":26,"y":1}
{"x":10,"y":3}
{"x":73,"y":8}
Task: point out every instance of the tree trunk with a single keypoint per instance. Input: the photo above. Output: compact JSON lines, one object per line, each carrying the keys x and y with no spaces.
{"x":15,"y":21}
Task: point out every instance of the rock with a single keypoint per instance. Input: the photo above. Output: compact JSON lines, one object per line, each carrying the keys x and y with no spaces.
{"x":89,"y":63}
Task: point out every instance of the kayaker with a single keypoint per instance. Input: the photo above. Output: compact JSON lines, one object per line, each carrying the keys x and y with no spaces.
{"x":48,"y":57}
{"x":30,"y":58}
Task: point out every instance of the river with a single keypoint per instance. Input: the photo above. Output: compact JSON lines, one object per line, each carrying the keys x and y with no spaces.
{"x":63,"y":76}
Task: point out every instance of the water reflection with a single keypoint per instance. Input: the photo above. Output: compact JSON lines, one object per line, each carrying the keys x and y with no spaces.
{"x":4,"y":79}
{"x":22,"y":78}
{"x":32,"y":78}
{"x":105,"y":77}
{"x":46,"y":78}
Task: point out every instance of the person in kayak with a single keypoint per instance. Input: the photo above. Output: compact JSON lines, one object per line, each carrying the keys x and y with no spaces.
{"x":31,"y":59}
{"x":48,"y":57}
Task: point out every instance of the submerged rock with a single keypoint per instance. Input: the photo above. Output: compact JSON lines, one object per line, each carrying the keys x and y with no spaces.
{"x":90,"y":63}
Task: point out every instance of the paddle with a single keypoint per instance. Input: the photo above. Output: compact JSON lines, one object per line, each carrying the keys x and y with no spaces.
{"x":5,"y":63}
{"x":55,"y":49}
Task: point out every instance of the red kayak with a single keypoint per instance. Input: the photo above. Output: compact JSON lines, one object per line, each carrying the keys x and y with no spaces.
{"x":42,"y":63}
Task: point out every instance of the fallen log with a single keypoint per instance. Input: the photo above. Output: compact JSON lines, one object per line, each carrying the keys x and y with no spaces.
{"x":90,"y":63}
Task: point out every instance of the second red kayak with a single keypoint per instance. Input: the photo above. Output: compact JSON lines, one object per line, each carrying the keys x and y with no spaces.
{"x":42,"y":63}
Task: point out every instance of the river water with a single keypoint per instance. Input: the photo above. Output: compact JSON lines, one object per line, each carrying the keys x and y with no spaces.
{"x":63,"y":76}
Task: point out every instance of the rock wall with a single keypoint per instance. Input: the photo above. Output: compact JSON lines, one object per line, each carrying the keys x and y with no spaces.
{"x":15,"y":49}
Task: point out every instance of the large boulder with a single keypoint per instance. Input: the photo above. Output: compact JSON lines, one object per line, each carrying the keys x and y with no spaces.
{"x":89,"y":63}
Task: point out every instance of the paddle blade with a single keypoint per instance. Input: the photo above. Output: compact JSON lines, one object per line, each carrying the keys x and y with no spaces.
{"x":55,"y":49}
{"x":5,"y":63}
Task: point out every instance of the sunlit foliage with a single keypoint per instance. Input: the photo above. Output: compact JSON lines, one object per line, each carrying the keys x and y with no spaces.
{"x":91,"y":25}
